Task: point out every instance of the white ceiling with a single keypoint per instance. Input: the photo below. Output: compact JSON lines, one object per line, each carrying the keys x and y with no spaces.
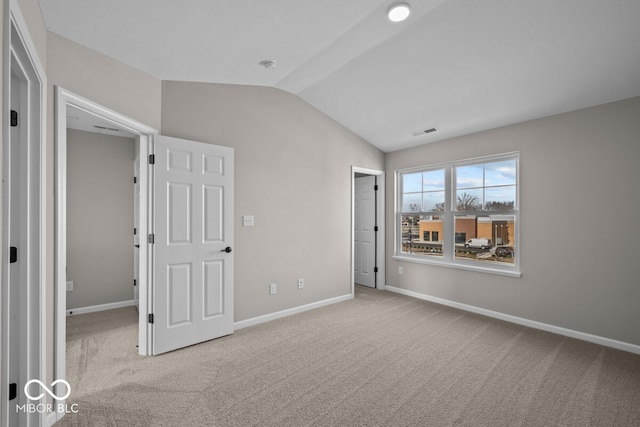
{"x":461,"y":66}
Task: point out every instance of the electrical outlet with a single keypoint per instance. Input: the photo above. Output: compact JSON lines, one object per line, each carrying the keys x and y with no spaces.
{"x":300,"y":283}
{"x":401,"y":270}
{"x":272,"y":289}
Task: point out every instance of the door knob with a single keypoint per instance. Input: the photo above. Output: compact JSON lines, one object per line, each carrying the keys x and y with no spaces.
{"x":227,"y":249}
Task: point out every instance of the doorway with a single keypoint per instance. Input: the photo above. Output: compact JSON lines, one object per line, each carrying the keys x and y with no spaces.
{"x":185,"y":223}
{"x":367,"y":210}
{"x":68,"y":103}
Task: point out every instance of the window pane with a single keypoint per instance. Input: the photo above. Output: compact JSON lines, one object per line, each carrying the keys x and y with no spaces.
{"x":489,"y":239}
{"x":500,"y":198}
{"x":469,"y":176}
{"x":433,"y":201}
{"x":469,"y":200}
{"x":433,"y":180}
{"x":412,"y":182}
{"x":412,"y":202}
{"x":421,"y":235}
{"x":500,"y":173}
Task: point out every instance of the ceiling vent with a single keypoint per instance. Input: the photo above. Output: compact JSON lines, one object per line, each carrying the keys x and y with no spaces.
{"x":423,"y":131}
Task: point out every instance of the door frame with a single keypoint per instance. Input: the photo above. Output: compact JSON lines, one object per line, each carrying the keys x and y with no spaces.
{"x":19,"y":53}
{"x":380,"y":219}
{"x":63,"y":99}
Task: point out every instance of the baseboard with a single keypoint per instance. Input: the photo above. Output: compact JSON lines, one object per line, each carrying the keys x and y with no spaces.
{"x":101,"y":307}
{"x":284,"y":313}
{"x":620,"y":345}
{"x":52,"y":418}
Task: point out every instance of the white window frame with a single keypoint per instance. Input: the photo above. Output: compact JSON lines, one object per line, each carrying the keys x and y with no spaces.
{"x":448,"y":258}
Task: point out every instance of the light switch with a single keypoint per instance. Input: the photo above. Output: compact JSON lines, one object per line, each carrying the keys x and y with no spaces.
{"x":247,"y":220}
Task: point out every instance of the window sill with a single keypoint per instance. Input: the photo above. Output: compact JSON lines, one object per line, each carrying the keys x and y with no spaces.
{"x":460,"y":266}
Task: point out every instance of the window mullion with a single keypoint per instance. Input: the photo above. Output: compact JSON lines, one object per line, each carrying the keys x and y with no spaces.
{"x":447,"y":242}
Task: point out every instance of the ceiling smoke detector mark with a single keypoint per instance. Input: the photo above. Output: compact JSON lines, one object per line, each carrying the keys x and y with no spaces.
{"x":423,"y":131}
{"x":268,"y":63}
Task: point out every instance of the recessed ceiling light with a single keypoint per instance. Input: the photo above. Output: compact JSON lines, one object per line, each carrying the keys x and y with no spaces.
{"x":398,"y":12}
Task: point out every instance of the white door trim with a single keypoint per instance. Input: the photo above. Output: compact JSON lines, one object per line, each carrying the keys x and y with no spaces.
{"x":19,"y":53}
{"x":63,"y":99}
{"x":380,"y":204}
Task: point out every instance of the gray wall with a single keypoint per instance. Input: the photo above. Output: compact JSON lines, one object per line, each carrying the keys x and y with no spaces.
{"x":579,"y":222}
{"x":99,"y":218}
{"x":293,"y":173}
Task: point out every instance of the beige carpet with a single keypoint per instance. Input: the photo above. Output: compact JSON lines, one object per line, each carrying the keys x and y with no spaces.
{"x":381,"y":359}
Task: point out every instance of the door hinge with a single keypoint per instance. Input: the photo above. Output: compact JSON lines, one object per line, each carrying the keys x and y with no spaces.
{"x":13,"y":391}
{"x":152,"y":159}
{"x":135,"y":180}
{"x":135,"y":282}
{"x":152,"y":238}
{"x":375,"y":269}
{"x":13,"y":254}
{"x":375,"y":228}
{"x":151,"y":318}
{"x":135,"y":230}
{"x":375,"y":187}
{"x":14,"y":118}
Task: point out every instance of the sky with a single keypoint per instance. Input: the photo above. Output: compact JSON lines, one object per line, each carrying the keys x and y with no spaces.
{"x":488,"y":182}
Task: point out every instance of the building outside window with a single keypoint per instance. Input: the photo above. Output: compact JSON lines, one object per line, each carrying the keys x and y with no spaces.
{"x":462,"y":213}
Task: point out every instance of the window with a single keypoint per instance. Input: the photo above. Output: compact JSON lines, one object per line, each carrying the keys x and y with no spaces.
{"x":423,"y":201}
{"x":463,"y":214}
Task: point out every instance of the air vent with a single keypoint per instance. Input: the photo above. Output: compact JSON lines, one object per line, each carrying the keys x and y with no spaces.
{"x":106,"y":128}
{"x":423,"y":131}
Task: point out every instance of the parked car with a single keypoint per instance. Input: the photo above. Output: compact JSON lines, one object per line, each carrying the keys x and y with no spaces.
{"x":481,"y":243}
{"x":504,"y":251}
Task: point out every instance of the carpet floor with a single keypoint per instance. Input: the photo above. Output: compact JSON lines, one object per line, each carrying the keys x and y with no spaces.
{"x":381,"y":359}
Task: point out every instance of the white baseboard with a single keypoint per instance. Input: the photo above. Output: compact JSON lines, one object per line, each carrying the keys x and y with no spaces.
{"x":284,"y":313}
{"x":620,"y":345}
{"x":101,"y":307}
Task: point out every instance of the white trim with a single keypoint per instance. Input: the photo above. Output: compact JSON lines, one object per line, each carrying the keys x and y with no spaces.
{"x":290,"y":311}
{"x":380,"y":212}
{"x":448,"y":258}
{"x":608,"y":342}
{"x":101,"y":307}
{"x":459,"y":265}
{"x":63,"y":98}
{"x":51,"y":419}
{"x":19,"y":50}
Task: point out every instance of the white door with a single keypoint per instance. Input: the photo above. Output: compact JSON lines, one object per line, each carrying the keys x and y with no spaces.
{"x":364,"y":233}
{"x":192,"y":284}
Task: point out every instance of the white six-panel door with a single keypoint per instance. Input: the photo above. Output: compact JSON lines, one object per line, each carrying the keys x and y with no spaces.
{"x":364,"y":234}
{"x":192,"y":293}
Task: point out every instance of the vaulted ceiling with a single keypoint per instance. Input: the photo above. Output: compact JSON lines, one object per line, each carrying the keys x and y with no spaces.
{"x":461,"y":66}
